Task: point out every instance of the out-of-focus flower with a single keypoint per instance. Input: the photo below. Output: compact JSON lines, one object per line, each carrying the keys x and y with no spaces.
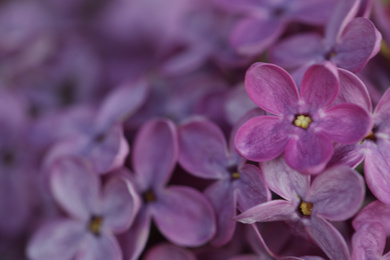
{"x":95,"y":215}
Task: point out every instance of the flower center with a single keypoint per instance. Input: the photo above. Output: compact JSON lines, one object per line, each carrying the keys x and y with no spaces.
{"x":95,"y":224}
{"x":149,"y":196}
{"x":233,"y":170}
{"x":305,"y":208}
{"x":371,"y":136}
{"x":302,"y":121}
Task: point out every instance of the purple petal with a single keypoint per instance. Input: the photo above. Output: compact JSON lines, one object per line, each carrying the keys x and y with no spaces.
{"x":359,"y":42}
{"x":368,"y":242}
{"x":184,"y":216}
{"x":121,"y":103}
{"x":342,"y":14}
{"x":251,"y":188}
{"x":290,"y":54}
{"x":320,"y":85}
{"x":120,"y":204}
{"x":350,"y":155}
{"x":345,"y":123}
{"x":376,"y":170}
{"x":373,"y":212}
{"x":107,"y":152}
{"x":222,"y":196}
{"x":312,"y":12}
{"x":169,"y":252}
{"x":261,"y":138}
{"x":382,"y":110}
{"x":252,"y":36}
{"x":275,"y":210}
{"x":328,"y":238}
{"x":337,"y":193}
{"x":245,"y":257}
{"x":101,"y":247}
{"x":308,"y":152}
{"x":271,"y":88}
{"x":134,"y":240}
{"x":283,"y":180}
{"x":203,"y":149}
{"x":75,"y":187}
{"x":57,"y":240}
{"x":155,"y":153}
{"x":352,"y":90}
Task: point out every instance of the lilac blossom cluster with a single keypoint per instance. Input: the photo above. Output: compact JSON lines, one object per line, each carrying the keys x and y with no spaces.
{"x":194,"y":129}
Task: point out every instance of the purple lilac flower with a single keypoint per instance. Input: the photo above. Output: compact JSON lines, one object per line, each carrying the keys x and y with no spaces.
{"x":336,"y":194}
{"x":374,"y":149}
{"x":305,"y":125}
{"x":181,"y":213}
{"x":204,"y":153}
{"x":95,"y":215}
{"x":349,"y":43}
{"x":265,"y":20}
{"x":104,"y":143}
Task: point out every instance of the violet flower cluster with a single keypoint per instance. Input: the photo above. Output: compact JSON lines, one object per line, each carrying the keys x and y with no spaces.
{"x":194,"y":129}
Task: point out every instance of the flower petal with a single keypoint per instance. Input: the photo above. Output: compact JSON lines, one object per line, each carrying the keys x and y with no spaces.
{"x":374,"y":212}
{"x":203,"y":149}
{"x":320,"y":85}
{"x":308,"y":152}
{"x":290,"y":54}
{"x":345,"y":123}
{"x":184,"y":216}
{"x":368,"y":242}
{"x":223,"y":199}
{"x":56,"y":240}
{"x":382,"y":110}
{"x":359,"y":42}
{"x":169,"y":252}
{"x":261,"y":138}
{"x":120,"y":204}
{"x":353,"y":90}
{"x":155,"y":153}
{"x":328,"y":238}
{"x":251,"y":188}
{"x":314,"y":12}
{"x":134,"y":240}
{"x":337,"y":193}
{"x":376,"y":170}
{"x":275,"y":210}
{"x":271,"y":88}
{"x":350,"y":154}
{"x":75,"y":187}
{"x":107,"y":152}
{"x":283,"y":180}
{"x":121,"y":103}
{"x":253,"y":35}
{"x":101,"y":247}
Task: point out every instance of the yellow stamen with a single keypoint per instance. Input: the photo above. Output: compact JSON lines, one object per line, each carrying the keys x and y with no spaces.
{"x":385,"y":51}
{"x":306,"y":208}
{"x":95,"y":224}
{"x":302,"y":121}
{"x":235,"y":175}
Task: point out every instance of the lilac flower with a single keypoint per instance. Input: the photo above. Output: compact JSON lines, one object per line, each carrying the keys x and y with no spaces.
{"x":95,"y":215}
{"x":266,"y":20}
{"x":204,"y":153}
{"x":348,"y":43}
{"x":103,"y":142}
{"x":335,"y":195}
{"x":374,"y":148}
{"x":182,"y":214}
{"x":304,"y":126}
